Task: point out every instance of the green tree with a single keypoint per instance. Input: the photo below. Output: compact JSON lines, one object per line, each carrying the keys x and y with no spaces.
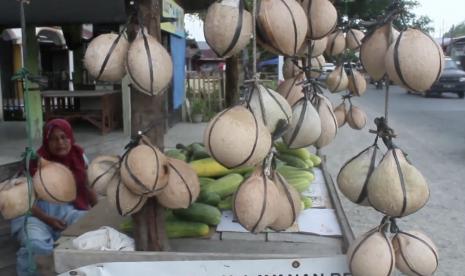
{"x":455,"y":31}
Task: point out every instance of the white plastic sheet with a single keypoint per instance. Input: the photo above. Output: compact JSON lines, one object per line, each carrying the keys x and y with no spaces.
{"x":105,"y":238}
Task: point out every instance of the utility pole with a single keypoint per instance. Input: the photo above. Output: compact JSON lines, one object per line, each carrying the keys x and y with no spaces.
{"x":147,"y":111}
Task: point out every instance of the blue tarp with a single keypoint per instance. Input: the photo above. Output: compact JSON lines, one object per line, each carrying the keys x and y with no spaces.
{"x":273,"y":61}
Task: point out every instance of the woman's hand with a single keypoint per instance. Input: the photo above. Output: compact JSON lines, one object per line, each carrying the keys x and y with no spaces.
{"x":55,"y":223}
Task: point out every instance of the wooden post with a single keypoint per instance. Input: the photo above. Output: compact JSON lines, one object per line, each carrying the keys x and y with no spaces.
{"x":146,"y":111}
{"x":232,"y":80}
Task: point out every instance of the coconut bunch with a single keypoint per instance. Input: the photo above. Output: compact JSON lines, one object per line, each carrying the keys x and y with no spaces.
{"x":410,"y":58}
{"x":143,"y":172}
{"x":378,"y":252}
{"x":281,"y":26}
{"x":110,"y":56}
{"x":264,"y":201}
{"x":228,"y":27}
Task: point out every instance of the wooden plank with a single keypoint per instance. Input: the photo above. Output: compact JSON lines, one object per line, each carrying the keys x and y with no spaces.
{"x":347,"y":233}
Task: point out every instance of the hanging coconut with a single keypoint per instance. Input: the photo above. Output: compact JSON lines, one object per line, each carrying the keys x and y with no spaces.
{"x":340,"y":113}
{"x":281,"y":25}
{"x":357,"y":83}
{"x":228,"y":27}
{"x":305,"y":128}
{"x":322,"y":17}
{"x":396,"y":188}
{"x":14,"y":198}
{"x":329,"y":124}
{"x":288,"y":204}
{"x":317,"y":64}
{"x":337,"y":80}
{"x":236,"y":137}
{"x":356,"y":117}
{"x":371,"y":254}
{"x":336,"y":43}
{"x":183,"y":186}
{"x":54,"y":182}
{"x":149,"y":65}
{"x":317,"y":47}
{"x":353,"y":176}
{"x":144,"y":169}
{"x":101,"y":171}
{"x":354,"y":39}
{"x":269,"y":107}
{"x":122,"y":199}
{"x":416,"y":253}
{"x":374,"y":49}
{"x":255,"y":202}
{"x":291,"y":90}
{"x":414,"y":60}
{"x":291,"y":68}
{"x":104,"y":58}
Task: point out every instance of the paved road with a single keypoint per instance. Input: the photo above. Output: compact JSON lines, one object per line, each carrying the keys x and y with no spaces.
{"x":432,"y":132}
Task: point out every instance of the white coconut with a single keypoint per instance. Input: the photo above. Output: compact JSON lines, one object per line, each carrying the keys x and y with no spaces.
{"x":322,"y":17}
{"x":414,"y":60}
{"x":269,"y":107}
{"x":356,"y":117}
{"x":353,"y":177}
{"x":291,"y":68}
{"x":292,"y":89}
{"x":305,"y":128}
{"x":336,"y":43}
{"x":15,"y":197}
{"x":101,"y":171}
{"x":289,"y":204}
{"x":122,"y":199}
{"x":374,"y":49}
{"x":328,"y":120}
{"x":371,"y":254}
{"x":183,"y":186}
{"x":354,"y":39}
{"x":357,"y":83}
{"x":227,"y":28}
{"x":396,"y":188}
{"x":54,"y":182}
{"x":337,"y":80}
{"x":317,"y":47}
{"x":236,"y":137}
{"x":340,"y":113}
{"x":317,"y":63}
{"x":416,"y":253}
{"x":96,"y":53}
{"x":282,"y":25}
{"x":155,"y":81}
{"x":144,"y":170}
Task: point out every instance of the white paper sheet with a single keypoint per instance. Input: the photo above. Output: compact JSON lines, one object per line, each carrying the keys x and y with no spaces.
{"x":319,"y":221}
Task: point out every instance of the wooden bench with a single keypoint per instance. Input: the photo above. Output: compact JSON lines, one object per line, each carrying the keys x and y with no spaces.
{"x":101,"y":108}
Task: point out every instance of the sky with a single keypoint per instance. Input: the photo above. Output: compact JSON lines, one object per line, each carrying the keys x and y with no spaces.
{"x":444,"y":14}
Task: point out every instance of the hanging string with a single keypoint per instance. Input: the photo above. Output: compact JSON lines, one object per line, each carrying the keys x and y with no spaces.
{"x":254,"y":41}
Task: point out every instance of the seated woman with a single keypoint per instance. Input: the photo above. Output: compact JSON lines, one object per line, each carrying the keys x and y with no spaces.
{"x":49,"y":219}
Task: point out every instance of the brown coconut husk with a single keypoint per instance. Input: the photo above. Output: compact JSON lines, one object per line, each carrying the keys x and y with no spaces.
{"x":101,"y":171}
{"x":354,"y":39}
{"x":282,"y":25}
{"x":54,"y":182}
{"x":374,"y":49}
{"x":353,"y":177}
{"x":337,"y":80}
{"x":336,"y":43}
{"x":317,"y":63}
{"x":183,"y":186}
{"x":340,"y":113}
{"x":356,"y":117}
{"x":122,"y":199}
{"x":414,"y":60}
{"x":154,"y":77}
{"x":357,"y":83}
{"x":329,"y":125}
{"x":416,"y":253}
{"x":105,"y":57}
{"x":396,"y":188}
{"x":322,"y":17}
{"x":269,"y":107}
{"x":289,"y":204}
{"x":227,"y":28}
{"x":14,"y":198}
{"x":372,"y":254}
{"x":291,"y":90}
{"x":305,"y":127}
{"x":144,"y":169}
{"x":290,"y":69}
{"x":249,"y":144}
{"x":255,"y":202}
